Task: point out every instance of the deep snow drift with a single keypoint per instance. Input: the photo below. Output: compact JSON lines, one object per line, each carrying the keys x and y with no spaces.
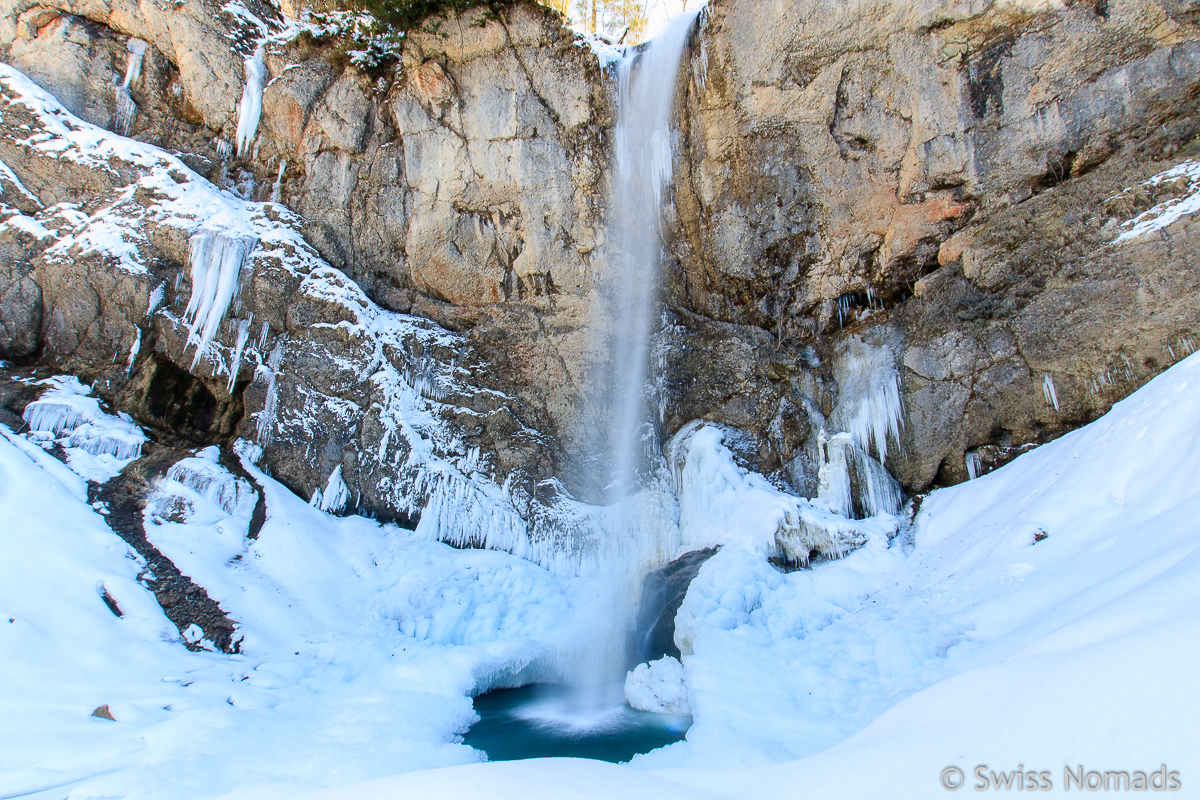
{"x":1040,"y":616}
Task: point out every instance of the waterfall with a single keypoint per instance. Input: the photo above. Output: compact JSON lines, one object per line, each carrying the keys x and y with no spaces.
{"x":642,"y":171}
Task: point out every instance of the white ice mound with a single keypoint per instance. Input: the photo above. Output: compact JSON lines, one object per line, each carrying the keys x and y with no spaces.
{"x":98,"y":445}
{"x":659,"y":687}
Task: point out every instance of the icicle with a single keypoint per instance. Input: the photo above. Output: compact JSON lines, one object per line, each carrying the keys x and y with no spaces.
{"x":1049,"y":392}
{"x":216,"y":261}
{"x":278,"y":181}
{"x":262,"y":337}
{"x":133,"y":351}
{"x":223,"y":147}
{"x":156,"y":297}
{"x":974,"y":464}
{"x":126,"y":108}
{"x":243,"y":335}
{"x":67,"y":412}
{"x":333,"y":499}
{"x":250,"y":109}
{"x":266,"y":417}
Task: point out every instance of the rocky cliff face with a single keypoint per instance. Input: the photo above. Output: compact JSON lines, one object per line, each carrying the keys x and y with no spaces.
{"x":950,"y":231}
{"x":952,"y":182}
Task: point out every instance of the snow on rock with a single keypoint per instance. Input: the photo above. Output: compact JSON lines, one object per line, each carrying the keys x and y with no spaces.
{"x":98,"y":445}
{"x":1186,"y":177}
{"x":659,"y":687}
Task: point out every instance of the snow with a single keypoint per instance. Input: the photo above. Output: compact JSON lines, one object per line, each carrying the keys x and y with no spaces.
{"x":658,"y":686}
{"x":250,"y":107}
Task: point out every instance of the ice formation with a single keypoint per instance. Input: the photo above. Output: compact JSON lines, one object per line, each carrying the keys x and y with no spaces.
{"x":335,"y":496}
{"x":1048,"y":390}
{"x":250,"y":107}
{"x":721,"y":503}
{"x":97,"y":444}
{"x":869,"y":405}
{"x":243,"y":336}
{"x":126,"y":108}
{"x":974,"y":464}
{"x":204,"y":475}
{"x":217,"y":259}
{"x":275,"y":187}
{"x":850,"y":482}
{"x":66,"y":411}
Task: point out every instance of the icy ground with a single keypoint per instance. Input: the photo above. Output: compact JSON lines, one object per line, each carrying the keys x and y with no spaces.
{"x":1046,"y":614}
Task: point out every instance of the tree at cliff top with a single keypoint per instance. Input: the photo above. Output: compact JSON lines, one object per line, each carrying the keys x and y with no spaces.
{"x":409,"y":14}
{"x":623,"y":19}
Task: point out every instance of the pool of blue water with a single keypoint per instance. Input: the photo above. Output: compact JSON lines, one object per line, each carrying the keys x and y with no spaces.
{"x":544,"y":721}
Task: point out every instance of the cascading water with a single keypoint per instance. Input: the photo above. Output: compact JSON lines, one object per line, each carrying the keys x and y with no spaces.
{"x":642,"y":170}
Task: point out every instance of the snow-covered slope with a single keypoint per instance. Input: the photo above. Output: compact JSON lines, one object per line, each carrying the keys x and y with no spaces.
{"x":360,"y":643}
{"x":1041,"y":618}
